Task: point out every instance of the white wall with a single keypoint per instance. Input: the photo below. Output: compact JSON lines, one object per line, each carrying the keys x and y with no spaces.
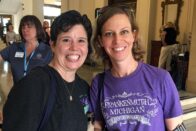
{"x":16,"y":20}
{"x":28,"y":7}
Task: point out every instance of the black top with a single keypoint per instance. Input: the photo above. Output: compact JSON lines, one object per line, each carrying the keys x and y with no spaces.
{"x":25,"y":103}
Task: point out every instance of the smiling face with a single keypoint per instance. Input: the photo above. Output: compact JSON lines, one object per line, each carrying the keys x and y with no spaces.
{"x":70,"y":49}
{"x":117,"y":38}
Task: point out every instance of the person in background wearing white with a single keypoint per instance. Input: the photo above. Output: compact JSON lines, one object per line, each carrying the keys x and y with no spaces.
{"x":11,"y":36}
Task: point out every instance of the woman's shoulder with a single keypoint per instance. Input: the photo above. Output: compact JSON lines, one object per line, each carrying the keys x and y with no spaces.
{"x":99,"y":78}
{"x":81,"y":81}
{"x":36,"y":80}
{"x":16,"y":46}
{"x":153,"y":71}
{"x":39,"y":73}
{"x":42,"y":45}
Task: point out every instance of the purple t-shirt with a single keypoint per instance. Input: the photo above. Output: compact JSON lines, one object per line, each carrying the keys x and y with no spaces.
{"x":138,"y":102}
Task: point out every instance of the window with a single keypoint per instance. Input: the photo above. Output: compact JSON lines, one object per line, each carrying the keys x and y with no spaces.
{"x":50,"y":12}
{"x":4,"y":20}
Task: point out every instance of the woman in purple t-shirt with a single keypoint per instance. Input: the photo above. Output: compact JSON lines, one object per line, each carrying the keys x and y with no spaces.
{"x":133,"y":96}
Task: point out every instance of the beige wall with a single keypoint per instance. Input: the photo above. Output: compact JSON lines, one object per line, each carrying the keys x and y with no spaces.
{"x":84,"y":6}
{"x":158,"y":20}
{"x":38,"y":9}
{"x":191,"y":81}
{"x":143,"y":9}
{"x":27,"y":7}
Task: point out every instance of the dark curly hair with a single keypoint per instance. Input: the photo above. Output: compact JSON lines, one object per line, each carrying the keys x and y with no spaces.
{"x":67,"y":20}
{"x":106,"y":13}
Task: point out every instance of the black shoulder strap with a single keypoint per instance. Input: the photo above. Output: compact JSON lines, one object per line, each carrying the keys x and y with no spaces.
{"x":100,"y":88}
{"x":100,"y":83}
{"x":51,"y":99}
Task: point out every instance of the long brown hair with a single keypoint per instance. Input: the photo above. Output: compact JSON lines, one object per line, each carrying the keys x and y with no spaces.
{"x":106,"y":13}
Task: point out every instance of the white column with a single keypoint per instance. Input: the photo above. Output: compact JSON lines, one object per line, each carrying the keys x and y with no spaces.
{"x":27,"y":7}
{"x":33,"y":7}
{"x":38,"y":9}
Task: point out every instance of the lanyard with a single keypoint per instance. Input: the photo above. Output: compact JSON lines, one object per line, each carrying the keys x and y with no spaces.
{"x":26,"y":61}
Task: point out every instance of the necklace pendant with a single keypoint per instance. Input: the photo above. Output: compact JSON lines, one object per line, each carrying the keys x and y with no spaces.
{"x":70,"y":98}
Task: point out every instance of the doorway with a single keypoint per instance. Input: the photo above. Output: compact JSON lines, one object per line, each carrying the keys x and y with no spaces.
{"x":4,"y":21}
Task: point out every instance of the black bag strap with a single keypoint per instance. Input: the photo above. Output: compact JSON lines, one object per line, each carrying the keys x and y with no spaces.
{"x":100,"y":83}
{"x":100,"y":88}
{"x":51,"y":100}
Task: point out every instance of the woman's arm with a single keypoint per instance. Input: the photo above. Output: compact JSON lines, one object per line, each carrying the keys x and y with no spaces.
{"x":172,"y":123}
{"x":98,"y":126}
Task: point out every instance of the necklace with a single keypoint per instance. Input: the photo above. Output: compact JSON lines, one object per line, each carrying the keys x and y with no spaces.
{"x":71,"y":86}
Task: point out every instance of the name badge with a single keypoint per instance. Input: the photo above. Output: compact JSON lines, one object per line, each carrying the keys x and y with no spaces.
{"x":19,"y":54}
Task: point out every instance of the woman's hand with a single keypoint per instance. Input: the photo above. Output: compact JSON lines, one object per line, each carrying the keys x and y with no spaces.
{"x":172,"y":123}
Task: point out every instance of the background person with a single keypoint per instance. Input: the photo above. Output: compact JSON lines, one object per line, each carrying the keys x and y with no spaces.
{"x":23,"y":111}
{"x":46,"y":28}
{"x":169,"y":48}
{"x":11,"y":36}
{"x":29,"y":53}
{"x":133,"y":96}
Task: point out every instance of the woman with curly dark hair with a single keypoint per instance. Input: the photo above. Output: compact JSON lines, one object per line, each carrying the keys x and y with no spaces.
{"x":54,"y":97}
